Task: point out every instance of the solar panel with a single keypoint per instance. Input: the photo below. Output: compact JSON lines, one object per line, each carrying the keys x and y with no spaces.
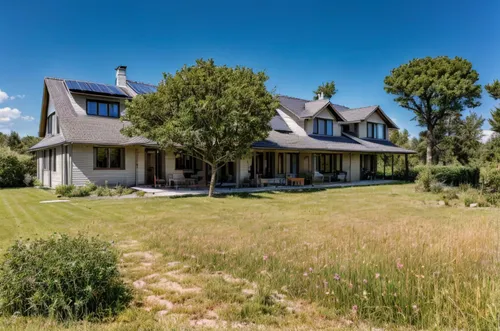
{"x":141,"y":88}
{"x":94,"y":88}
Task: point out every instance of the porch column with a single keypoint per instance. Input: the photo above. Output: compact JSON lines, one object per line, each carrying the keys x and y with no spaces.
{"x":254,"y":164}
{"x":350,"y":163}
{"x":384,"y":164}
{"x":392,"y":167}
{"x":237,"y":172}
{"x":406,"y":167}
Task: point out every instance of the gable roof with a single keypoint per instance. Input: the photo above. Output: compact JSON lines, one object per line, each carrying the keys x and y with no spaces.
{"x":361,"y":114}
{"x":306,"y":108}
{"x":81,"y":129}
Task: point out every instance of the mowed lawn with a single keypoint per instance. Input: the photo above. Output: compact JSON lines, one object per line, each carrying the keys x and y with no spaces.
{"x":382,"y":256}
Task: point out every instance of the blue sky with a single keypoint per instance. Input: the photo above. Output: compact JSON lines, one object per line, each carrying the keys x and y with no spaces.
{"x":299,"y":45}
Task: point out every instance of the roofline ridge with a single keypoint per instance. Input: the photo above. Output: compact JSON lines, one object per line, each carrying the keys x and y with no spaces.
{"x":287,"y":96}
{"x":358,"y":108}
{"x":84,"y":81}
{"x":135,"y":81}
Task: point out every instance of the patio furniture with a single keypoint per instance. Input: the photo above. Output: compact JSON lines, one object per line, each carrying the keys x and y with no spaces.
{"x":317,"y":177}
{"x":272,"y":181}
{"x":176,"y":180}
{"x":159,"y":182}
{"x":342,"y":176}
{"x":294,"y":181}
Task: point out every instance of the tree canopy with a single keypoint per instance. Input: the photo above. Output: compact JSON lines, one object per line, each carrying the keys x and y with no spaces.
{"x":210,"y":112}
{"x":328,"y":90}
{"x":434,"y":89}
{"x":494,"y":91}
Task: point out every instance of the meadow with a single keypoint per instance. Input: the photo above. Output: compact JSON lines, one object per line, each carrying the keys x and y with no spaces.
{"x":351,"y":258}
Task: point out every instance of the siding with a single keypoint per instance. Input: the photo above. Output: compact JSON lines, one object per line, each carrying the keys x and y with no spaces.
{"x":170,"y":164}
{"x":83,"y":168}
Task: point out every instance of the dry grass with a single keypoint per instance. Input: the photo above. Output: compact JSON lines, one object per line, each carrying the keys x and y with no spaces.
{"x":346,"y":258}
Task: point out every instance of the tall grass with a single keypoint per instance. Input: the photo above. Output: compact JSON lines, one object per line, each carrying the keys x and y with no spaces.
{"x":426,"y":275}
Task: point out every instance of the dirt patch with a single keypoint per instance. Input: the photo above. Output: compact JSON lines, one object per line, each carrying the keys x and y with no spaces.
{"x":145,"y":256}
{"x":157,"y":301}
{"x":166,"y":285}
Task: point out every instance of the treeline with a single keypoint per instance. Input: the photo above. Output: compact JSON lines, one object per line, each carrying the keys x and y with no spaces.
{"x":17,"y":165}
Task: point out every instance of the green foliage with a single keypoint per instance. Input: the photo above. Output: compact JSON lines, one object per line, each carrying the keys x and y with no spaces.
{"x":214,"y":112}
{"x":450,"y":194}
{"x":451,"y":175}
{"x":490,"y":153}
{"x":490,"y":178}
{"x":434,"y":89}
{"x":495,"y":120}
{"x":14,"y":141}
{"x":425,"y":180}
{"x":14,"y":167}
{"x":63,"y":278}
{"x":328,"y":90}
{"x":140,"y":193}
{"x":466,"y":139}
{"x":493,"y":89}
{"x":65,"y":190}
{"x":80,"y":191}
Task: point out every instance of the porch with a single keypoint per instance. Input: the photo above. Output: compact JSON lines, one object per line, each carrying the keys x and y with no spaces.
{"x":172,"y":192}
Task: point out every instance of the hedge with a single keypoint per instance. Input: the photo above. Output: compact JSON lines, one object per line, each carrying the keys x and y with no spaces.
{"x":15,"y":168}
{"x":454,"y":175}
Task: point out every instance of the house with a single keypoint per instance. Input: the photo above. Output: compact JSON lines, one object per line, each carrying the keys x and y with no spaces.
{"x":82,"y":142}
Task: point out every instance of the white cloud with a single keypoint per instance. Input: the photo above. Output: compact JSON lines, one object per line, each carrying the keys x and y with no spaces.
{"x":3,"y":96}
{"x":27,"y":118}
{"x":8,"y":114}
{"x":487,"y":135}
{"x":19,"y":96}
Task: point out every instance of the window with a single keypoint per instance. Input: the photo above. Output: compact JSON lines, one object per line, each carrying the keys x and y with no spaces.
{"x":103,"y":108}
{"x":109,"y":158}
{"x":281,"y":164}
{"x":57,"y":125}
{"x":50,"y":122}
{"x":323,"y":127}
{"x":328,"y":163}
{"x":376,"y":130}
{"x":180,"y":162}
{"x":46,"y":161}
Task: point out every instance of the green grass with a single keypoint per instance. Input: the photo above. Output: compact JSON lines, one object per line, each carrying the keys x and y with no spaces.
{"x":448,"y":275}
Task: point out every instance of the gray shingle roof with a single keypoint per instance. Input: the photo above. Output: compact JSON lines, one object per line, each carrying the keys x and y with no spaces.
{"x":277,"y":140}
{"x":306,"y":108}
{"x":77,"y":128}
{"x":358,"y":114}
{"x":83,"y":129}
{"x":278,"y":124}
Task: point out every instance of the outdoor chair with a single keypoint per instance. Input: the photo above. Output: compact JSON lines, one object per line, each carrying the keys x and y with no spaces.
{"x":176,"y":180}
{"x":317,"y":177}
{"x":159,"y":182}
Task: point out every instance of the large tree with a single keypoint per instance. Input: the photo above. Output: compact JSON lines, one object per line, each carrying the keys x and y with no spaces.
{"x":434,"y":89}
{"x":467,"y":138}
{"x":328,"y":90}
{"x":14,"y":141}
{"x":494,"y":91}
{"x":213,"y":113}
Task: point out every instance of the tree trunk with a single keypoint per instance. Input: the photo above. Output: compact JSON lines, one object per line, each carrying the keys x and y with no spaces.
{"x":212,"y":181}
{"x":430,"y":146}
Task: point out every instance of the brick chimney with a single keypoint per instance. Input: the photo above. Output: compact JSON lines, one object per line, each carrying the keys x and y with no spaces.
{"x":121,"y":76}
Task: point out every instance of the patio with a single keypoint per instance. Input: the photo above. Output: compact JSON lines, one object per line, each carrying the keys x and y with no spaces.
{"x":171,"y":192}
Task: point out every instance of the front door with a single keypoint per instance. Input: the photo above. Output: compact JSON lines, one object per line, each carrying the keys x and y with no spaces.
{"x":150,"y":166}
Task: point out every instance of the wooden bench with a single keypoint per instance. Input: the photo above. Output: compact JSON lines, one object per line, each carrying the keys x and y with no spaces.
{"x":295,"y":181}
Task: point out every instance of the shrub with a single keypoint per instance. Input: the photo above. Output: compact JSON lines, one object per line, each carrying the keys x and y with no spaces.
{"x":65,"y":190}
{"x":119,"y":189}
{"x":13,"y":167}
{"x":63,"y":278}
{"x":453,"y":175}
{"x":91,"y":186}
{"x":81,"y":191}
{"x":437,"y":187}
{"x":425,"y":180}
{"x":103,"y":191}
{"x":140,"y":193}
{"x":450,"y":194}
{"x":493,"y":198}
{"x":491,"y":179}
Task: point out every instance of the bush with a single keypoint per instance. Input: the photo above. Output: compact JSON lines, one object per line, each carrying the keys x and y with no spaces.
{"x":425,"y":180}
{"x":453,"y":175}
{"x":81,"y":191}
{"x":450,"y":194}
{"x":65,"y":190}
{"x":14,"y":167}
{"x":437,"y":187}
{"x":63,"y":278}
{"x":91,"y":186}
{"x":493,"y":198}
{"x":140,"y":193}
{"x":491,"y":180}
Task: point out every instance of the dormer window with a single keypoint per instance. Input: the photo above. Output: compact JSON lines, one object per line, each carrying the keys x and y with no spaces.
{"x":103,"y":108}
{"x":323,"y":127}
{"x":376,"y":130}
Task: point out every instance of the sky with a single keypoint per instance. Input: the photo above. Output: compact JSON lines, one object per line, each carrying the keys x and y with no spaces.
{"x":299,"y":45}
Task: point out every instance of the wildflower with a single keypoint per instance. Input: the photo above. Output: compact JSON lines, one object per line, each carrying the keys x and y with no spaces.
{"x":310,"y":269}
{"x":336,"y":277}
{"x":350,"y":285}
{"x":365,"y":281}
{"x":265,"y":257}
{"x":305,"y":274}
{"x":355,"y":309}
{"x":399,"y":265}
{"x":325,"y":283}
{"x":415,"y":307}
{"x":377,"y":276}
